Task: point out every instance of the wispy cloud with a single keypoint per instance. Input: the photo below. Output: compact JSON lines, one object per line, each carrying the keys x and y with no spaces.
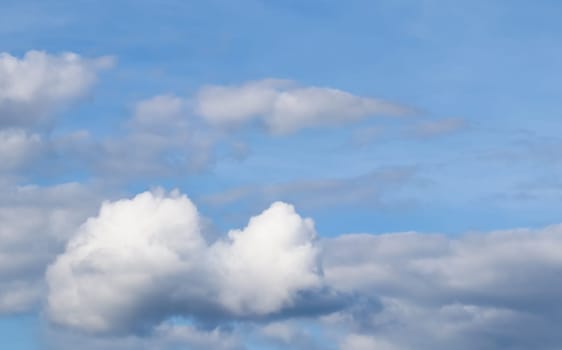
{"x":428,"y":129}
{"x":369,"y":188}
{"x":283,"y":106}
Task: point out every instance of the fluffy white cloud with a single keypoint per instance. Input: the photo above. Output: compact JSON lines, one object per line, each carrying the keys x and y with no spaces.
{"x":144,"y":259}
{"x":284,"y":107}
{"x":263,"y":265}
{"x":35,"y":85}
{"x":122,"y":259}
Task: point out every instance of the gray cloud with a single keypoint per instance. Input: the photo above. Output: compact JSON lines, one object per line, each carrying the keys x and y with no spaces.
{"x":490,"y":291}
{"x":167,"y":336}
{"x":142,"y":261}
{"x":36,"y":222}
{"x":165,"y":139}
{"x":17,"y":148}
{"x":371,"y":187}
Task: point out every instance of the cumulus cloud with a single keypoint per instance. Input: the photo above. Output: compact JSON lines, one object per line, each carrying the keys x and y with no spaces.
{"x":284,"y":107}
{"x":145,"y":259}
{"x":277,"y":249}
{"x":148,"y":259}
{"x":35,"y":85}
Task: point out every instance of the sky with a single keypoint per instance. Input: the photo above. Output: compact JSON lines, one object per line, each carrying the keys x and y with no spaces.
{"x":261,"y":174}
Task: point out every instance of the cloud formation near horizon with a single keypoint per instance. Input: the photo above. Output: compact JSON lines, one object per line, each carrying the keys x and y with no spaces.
{"x":144,"y":260}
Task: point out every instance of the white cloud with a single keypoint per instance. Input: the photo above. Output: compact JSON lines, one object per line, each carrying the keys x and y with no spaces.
{"x":284,"y":107}
{"x":34,"y":86}
{"x":33,"y":89}
{"x":145,"y":259}
{"x":264,"y":264}
{"x":173,"y":135}
{"x":121,"y":259}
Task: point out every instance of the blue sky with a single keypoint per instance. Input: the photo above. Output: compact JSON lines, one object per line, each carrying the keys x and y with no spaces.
{"x":371,"y":117}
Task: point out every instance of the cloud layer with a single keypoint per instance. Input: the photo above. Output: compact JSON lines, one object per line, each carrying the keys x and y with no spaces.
{"x":18,"y":147}
{"x":144,"y":261}
{"x":36,"y":223}
{"x":489,"y":290}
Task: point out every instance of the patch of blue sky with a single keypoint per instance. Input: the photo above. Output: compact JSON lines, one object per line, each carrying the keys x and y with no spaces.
{"x":300,"y":334}
{"x":19,"y":332}
{"x":473,"y":60}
